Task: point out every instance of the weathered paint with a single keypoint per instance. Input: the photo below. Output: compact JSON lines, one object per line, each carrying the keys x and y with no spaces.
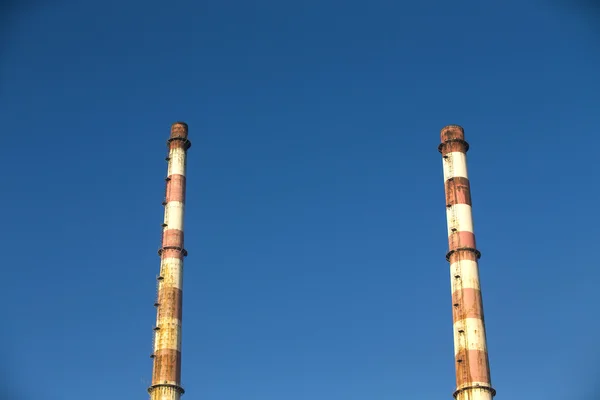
{"x":466,"y":335}
{"x":177,"y":162}
{"x":450,"y":132}
{"x":466,"y":303}
{"x":179,"y":130}
{"x":475,"y":393}
{"x":172,"y":238}
{"x":168,"y":366}
{"x":171,"y":271}
{"x":461,"y":255}
{"x":464,"y":274}
{"x":461,"y":239}
{"x":458,"y":191}
{"x":471,"y":367}
{"x":166,"y":372}
{"x":175,"y":190}
{"x":172,"y":253}
{"x":169,"y":303}
{"x":473,"y":381}
{"x":459,"y":218}
{"x":174,"y":212}
{"x":165,"y":393}
{"x":455,"y":165}
{"x":168,"y":334}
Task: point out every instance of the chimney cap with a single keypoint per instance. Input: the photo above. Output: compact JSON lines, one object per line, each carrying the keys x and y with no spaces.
{"x":450,"y":132}
{"x":179,"y":130}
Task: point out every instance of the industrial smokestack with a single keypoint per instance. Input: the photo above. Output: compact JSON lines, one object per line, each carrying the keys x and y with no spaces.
{"x":166,"y":373}
{"x":473,"y":380}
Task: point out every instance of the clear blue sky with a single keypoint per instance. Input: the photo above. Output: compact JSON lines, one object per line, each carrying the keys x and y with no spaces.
{"x":315,"y":222}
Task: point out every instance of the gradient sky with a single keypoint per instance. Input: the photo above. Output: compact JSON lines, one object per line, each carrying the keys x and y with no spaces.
{"x":316,"y":222}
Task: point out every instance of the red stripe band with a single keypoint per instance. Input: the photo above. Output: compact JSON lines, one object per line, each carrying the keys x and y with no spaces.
{"x":175,"y":190}
{"x":458,"y":191}
{"x":167,"y":366}
{"x":170,"y":302}
{"x":172,"y":238}
{"x":471,"y":366}
{"x":466,"y":303}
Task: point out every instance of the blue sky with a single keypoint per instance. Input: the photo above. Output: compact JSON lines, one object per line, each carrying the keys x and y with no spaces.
{"x":315,"y":221}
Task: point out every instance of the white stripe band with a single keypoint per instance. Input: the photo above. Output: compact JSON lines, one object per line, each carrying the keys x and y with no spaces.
{"x":455,"y":165}
{"x":169,"y":334}
{"x":469,"y":334}
{"x":460,"y":219}
{"x":176,"y":162}
{"x":172,"y":272}
{"x":464,"y":275}
{"x":174,"y":211}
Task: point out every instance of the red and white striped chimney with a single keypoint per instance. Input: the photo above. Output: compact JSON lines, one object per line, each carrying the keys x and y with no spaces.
{"x":166,"y":374}
{"x":473,"y":380}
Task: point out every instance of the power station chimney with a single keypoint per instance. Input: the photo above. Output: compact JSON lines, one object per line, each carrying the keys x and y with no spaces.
{"x":473,"y":380}
{"x":166,"y":372}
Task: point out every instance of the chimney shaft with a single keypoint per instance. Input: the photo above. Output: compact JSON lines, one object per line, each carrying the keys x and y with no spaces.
{"x":166,"y":373}
{"x":473,"y":380}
